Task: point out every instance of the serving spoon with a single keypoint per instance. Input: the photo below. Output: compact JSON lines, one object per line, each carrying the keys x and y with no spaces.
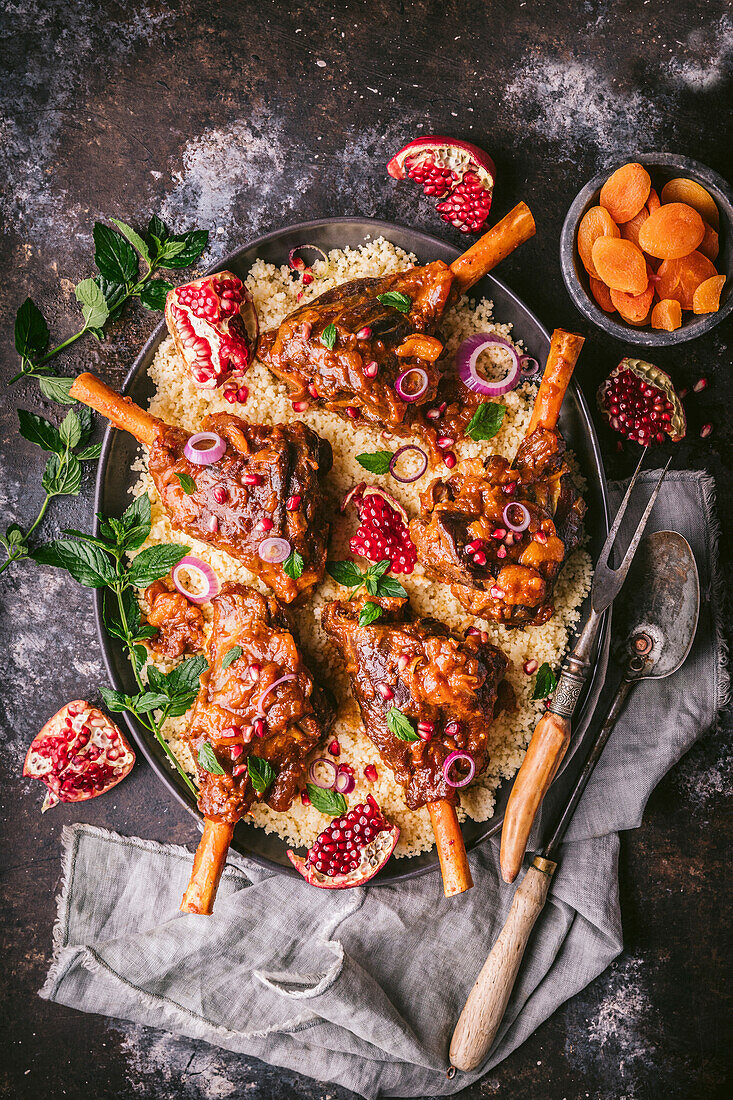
{"x":658,"y":619}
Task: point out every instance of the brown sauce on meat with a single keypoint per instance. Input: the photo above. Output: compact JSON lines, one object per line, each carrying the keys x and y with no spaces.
{"x":179,"y":623}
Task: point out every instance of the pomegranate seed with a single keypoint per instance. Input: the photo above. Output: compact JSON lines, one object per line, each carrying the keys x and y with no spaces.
{"x":300,"y":406}
{"x":239,"y":769}
{"x":220,"y":494}
{"x":498,"y":533}
{"x":402,"y":662}
{"x":370,"y":773}
{"x":444,"y":441}
{"x":236,"y":750}
{"x":212,"y":525}
{"x":334,"y":748}
{"x":305,"y":798}
{"x":496,"y":593}
{"x":371,"y":369}
{"x":242,"y":394}
{"x":353,"y":412}
{"x":705,"y":431}
{"x":230,"y":396}
{"x":473,"y":632}
{"x":432,"y":414}
{"x":306,"y":329}
{"x":259,"y":727}
{"x":265,"y":524}
{"x":307,"y":277}
{"x":540,"y":536}
{"x":252,"y":479}
{"x":452,"y":728}
{"x":501,"y":552}
{"x":364,"y":333}
{"x":313,"y":391}
{"x":449,"y":459}
{"x":700,"y":385}
{"x":293,"y":503}
{"x":254,"y":671}
{"x":479,"y":558}
{"x":530,"y":667}
{"x":385,"y":691}
{"x":509,"y":487}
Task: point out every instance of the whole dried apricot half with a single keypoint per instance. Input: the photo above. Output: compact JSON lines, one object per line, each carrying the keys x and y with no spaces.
{"x":595,"y":223}
{"x":625,"y":192}
{"x":620,"y":265}
{"x":695,"y":195}
{"x":667,"y":315}
{"x":680,"y":278}
{"x":602,"y":295}
{"x":630,"y":229}
{"x":634,"y":308}
{"x":709,"y":245}
{"x":706,"y":298}
{"x":672,"y":231}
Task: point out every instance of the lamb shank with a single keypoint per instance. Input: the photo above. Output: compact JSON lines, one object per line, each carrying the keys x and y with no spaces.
{"x":258,"y":715}
{"x":266,"y":485}
{"x":425,"y":695}
{"x":499,"y":532}
{"x":366,"y":349}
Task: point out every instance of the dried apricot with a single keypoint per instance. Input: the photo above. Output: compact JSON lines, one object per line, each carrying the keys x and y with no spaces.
{"x":602,"y":295}
{"x":653,"y":203}
{"x":709,"y":245}
{"x":633,"y":307}
{"x":625,"y":192}
{"x":620,"y":265}
{"x":672,"y":231}
{"x":679,"y":279}
{"x":630,"y":229}
{"x":706,"y":298}
{"x":695,"y":195}
{"x":596,"y":223}
{"x":667,"y":315}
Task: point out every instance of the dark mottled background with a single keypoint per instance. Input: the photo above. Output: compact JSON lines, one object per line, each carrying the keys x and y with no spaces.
{"x":244,"y":117}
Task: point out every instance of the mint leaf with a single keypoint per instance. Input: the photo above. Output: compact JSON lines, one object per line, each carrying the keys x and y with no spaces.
{"x":186,"y":676}
{"x":36,"y":429}
{"x":114,"y":256}
{"x":113,"y":621}
{"x":207,"y":760}
{"x":94,"y":308}
{"x":379,"y":568}
{"x":70,"y":430}
{"x":388,"y":586}
{"x":326,"y":801}
{"x":134,"y":238}
{"x":154,"y":294}
{"x":328,"y":337}
{"x":90,"y":453}
{"x":62,"y":477}
{"x":194,"y":242}
{"x":152,"y":564}
{"x":545,"y":682}
{"x":396,"y":300}
{"x":135,"y":523}
{"x":31,"y":331}
{"x":115,"y":700}
{"x":169,"y":250}
{"x":400,"y":725}
{"x":56,"y":388}
{"x":293,"y":565}
{"x":114,"y":293}
{"x":369,"y":613}
{"x":377,"y":462}
{"x":231,"y":655}
{"x":345,"y":572}
{"x":157,"y":229}
{"x":187,"y":483}
{"x":261,"y":773}
{"x":486,"y":421}
{"x":87,"y":564}
{"x":149,"y":700}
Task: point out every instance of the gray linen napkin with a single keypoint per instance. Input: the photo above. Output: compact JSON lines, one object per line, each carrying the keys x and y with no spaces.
{"x":363,"y":987}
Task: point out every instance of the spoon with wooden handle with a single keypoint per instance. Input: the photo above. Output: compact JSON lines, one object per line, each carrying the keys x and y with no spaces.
{"x":662,"y":623}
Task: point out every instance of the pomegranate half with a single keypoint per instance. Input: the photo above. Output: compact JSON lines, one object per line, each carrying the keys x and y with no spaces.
{"x":459,"y":173}
{"x":350,"y":850}
{"x":78,"y":754}
{"x":639,"y":401}
{"x":214,"y":325}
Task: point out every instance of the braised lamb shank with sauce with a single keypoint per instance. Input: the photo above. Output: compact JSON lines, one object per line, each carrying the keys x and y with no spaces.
{"x":448,"y":688}
{"x":258,"y":715}
{"x":347,"y":349}
{"x":465,"y":537}
{"x":268,"y":483}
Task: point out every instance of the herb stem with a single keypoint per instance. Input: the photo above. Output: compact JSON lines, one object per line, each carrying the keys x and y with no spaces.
{"x":156,"y":729}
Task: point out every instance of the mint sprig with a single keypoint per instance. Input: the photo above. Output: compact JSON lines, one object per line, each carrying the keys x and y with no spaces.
{"x":373,"y":579}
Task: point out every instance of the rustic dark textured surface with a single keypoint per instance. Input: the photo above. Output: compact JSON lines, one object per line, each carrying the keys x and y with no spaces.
{"x":243,"y":117}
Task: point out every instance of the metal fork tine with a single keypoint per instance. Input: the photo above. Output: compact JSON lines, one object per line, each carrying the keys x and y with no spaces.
{"x":612,"y":534}
{"x":624,"y":566}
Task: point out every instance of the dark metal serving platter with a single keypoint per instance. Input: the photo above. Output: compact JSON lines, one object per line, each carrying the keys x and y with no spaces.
{"x":115,"y":478}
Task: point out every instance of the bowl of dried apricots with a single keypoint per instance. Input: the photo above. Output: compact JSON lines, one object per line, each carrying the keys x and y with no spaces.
{"x":646,"y":250}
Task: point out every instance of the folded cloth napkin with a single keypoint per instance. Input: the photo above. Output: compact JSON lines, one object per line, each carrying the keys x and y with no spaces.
{"x":363,"y":987}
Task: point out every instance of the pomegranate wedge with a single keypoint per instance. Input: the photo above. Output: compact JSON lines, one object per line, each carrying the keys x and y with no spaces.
{"x":214,"y":325}
{"x":78,"y":754}
{"x":350,"y":850}
{"x":639,"y":401}
{"x":457,"y":172}
{"x":383,"y":531}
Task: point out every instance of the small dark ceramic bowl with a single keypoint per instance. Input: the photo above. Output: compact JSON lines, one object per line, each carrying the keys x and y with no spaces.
{"x":661,"y":167}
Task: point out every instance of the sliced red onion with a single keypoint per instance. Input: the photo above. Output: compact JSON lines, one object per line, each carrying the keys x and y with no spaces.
{"x":395,"y":458}
{"x":292,"y":257}
{"x":281,"y":680}
{"x":450,"y":760}
{"x":274,"y":550}
{"x":523,"y":523}
{"x":345,"y":781}
{"x":467,"y":358}
{"x":400,"y":384}
{"x":528,"y":365}
{"x":316,"y":780}
{"x":206,"y":579}
{"x":204,"y":448}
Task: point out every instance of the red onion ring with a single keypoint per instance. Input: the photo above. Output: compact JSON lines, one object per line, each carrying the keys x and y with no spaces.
{"x":274,"y":550}
{"x":313,"y":776}
{"x":450,"y":761}
{"x":401,"y":451}
{"x":292,"y":257}
{"x":525,"y":517}
{"x":205,"y":574}
{"x":399,"y":384}
{"x":203,"y":455}
{"x":467,"y":357}
{"x":345,"y":781}
{"x":524,"y":365}
{"x":276,"y":683}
